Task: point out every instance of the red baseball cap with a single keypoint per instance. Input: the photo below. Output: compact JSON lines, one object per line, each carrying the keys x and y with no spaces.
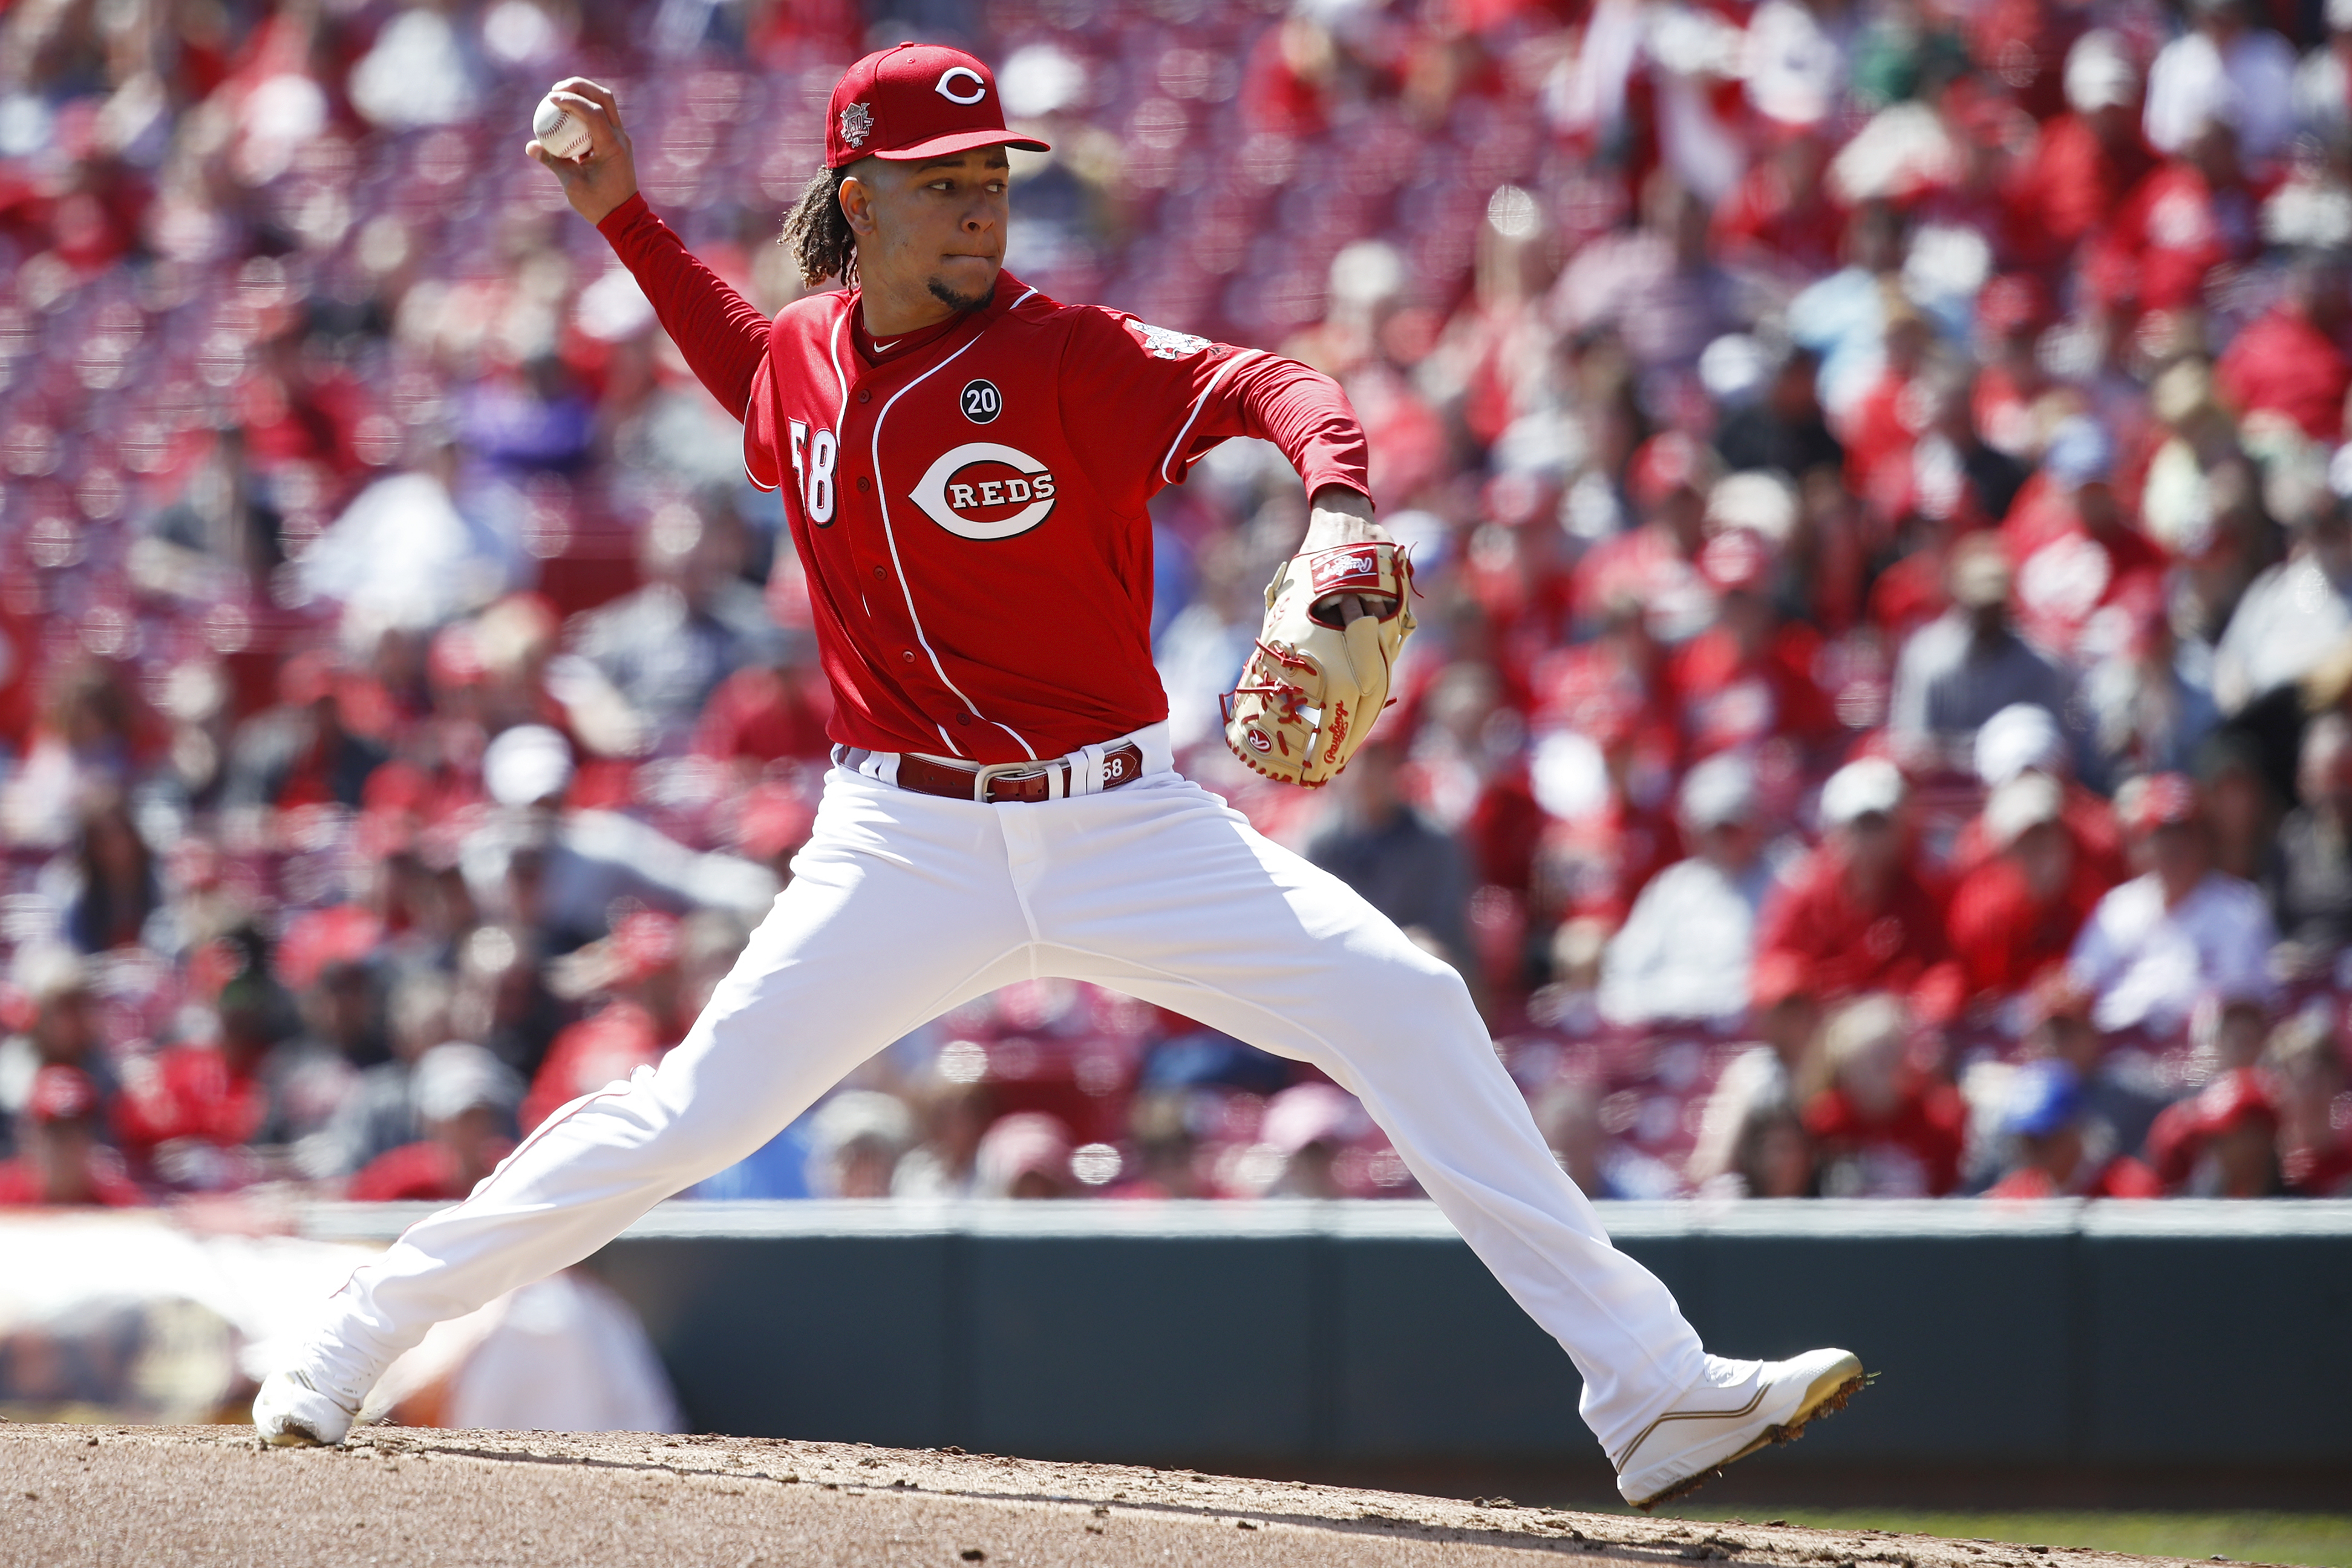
{"x":2161,"y":800}
{"x":917,"y":100}
{"x":61,"y":1093}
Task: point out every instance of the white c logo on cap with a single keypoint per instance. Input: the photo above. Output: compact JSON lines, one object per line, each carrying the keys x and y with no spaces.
{"x":979,"y":87}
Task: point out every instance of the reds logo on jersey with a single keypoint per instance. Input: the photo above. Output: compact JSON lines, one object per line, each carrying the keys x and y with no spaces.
{"x":986,"y":490}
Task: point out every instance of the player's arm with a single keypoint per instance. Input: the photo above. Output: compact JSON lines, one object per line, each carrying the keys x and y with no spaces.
{"x":722,"y":335}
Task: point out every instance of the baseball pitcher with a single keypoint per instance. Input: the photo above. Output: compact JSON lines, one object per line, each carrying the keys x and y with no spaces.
{"x":965,"y":465}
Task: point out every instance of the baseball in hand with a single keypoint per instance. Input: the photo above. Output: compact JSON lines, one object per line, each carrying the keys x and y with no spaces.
{"x":558,"y":132}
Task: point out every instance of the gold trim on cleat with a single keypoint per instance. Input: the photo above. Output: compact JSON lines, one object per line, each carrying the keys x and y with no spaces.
{"x":1828,"y":1393}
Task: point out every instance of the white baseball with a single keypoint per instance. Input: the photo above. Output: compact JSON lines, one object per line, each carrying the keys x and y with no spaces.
{"x":558,"y":132}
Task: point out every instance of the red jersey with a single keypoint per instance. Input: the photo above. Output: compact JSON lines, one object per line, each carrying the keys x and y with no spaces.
{"x":969,"y":501}
{"x":1845,"y":947}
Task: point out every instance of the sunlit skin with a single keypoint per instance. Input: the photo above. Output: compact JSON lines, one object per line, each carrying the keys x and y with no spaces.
{"x":931,"y":241}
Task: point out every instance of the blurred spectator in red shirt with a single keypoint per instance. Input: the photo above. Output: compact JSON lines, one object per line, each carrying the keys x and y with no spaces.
{"x":1657,"y":564}
{"x":2305,"y":1062}
{"x":2014,"y":917}
{"x":303,"y":752}
{"x":2056,"y":1153}
{"x":2074,"y":553}
{"x":770,"y":711}
{"x":61,"y":1160}
{"x":637,"y":969}
{"x":466,"y":1099}
{"x":1746,"y":681}
{"x":58,"y":1027}
{"x":2291,"y":361}
{"x":1856,"y":914}
{"x":2222,"y":1142}
{"x":1885,"y":1129}
{"x":2194,"y":212}
{"x":2087,"y":159}
{"x":2025,"y":738}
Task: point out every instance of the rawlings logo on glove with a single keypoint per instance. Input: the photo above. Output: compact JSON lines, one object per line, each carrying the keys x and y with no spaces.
{"x":1321,"y":675}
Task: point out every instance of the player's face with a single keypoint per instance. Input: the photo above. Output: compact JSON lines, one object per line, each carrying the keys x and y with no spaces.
{"x":937,"y":226}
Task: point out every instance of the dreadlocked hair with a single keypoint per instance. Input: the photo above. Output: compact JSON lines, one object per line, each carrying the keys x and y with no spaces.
{"x":818,"y":233}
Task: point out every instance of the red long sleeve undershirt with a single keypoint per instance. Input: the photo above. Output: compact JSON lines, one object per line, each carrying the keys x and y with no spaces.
{"x":724,"y":337}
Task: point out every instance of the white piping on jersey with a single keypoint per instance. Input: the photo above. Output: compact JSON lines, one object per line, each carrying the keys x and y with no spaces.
{"x":1021,"y":302}
{"x":757,"y":376}
{"x":882,"y":497}
{"x":1198,"y":403}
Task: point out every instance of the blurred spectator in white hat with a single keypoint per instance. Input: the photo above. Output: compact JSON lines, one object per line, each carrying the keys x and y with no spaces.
{"x":2086,"y":160}
{"x":560,"y":870}
{"x":856,"y":1141}
{"x":2026,"y":738}
{"x":1856,"y":913}
{"x":2014,"y":917}
{"x":465,"y":1100}
{"x":1023,"y":1155}
{"x":1685,"y":949}
{"x":2179,"y":932}
{"x":1307,"y":1126}
{"x":1969,"y":663}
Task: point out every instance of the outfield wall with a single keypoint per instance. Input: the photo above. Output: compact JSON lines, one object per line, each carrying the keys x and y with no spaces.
{"x":2159,"y":1338}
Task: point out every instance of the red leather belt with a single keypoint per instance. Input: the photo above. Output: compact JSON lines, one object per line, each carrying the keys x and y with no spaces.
{"x":997,"y":782}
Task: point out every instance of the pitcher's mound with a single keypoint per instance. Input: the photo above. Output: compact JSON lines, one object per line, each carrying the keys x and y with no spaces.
{"x":73,"y":1495}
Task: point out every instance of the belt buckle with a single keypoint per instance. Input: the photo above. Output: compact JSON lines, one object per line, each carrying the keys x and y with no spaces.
{"x":990,"y":773}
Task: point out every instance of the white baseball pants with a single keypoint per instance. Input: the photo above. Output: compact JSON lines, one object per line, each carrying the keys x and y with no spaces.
{"x":904,"y":905}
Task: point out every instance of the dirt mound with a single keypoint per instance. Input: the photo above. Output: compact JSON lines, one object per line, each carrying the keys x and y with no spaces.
{"x":73,"y":1495}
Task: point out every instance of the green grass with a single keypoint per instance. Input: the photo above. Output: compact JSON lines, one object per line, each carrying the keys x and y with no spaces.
{"x":2311,"y":1540}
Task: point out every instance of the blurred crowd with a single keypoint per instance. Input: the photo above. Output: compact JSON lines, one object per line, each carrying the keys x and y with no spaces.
{"x":1883,"y":719}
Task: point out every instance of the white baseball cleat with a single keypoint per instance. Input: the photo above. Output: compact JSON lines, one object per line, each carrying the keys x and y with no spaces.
{"x":1738,"y":1407}
{"x":292,"y":1411}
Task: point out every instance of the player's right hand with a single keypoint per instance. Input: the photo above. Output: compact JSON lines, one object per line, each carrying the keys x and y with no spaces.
{"x":607,"y":176}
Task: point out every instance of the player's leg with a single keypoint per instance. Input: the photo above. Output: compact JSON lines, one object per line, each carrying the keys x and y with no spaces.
{"x":899,"y":907}
{"x":1168,"y":895}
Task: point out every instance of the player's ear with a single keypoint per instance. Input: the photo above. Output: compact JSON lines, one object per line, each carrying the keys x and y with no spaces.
{"x":857,"y":195}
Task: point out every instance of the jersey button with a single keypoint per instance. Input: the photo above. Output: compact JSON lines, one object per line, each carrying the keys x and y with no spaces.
{"x":865,"y":394}
{"x":878,"y":571}
{"x":963,"y":718}
{"x":864,"y":483}
{"x":909,"y":655}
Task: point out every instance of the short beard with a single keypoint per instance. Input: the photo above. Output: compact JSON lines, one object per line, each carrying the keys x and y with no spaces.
{"x":955,"y":301}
